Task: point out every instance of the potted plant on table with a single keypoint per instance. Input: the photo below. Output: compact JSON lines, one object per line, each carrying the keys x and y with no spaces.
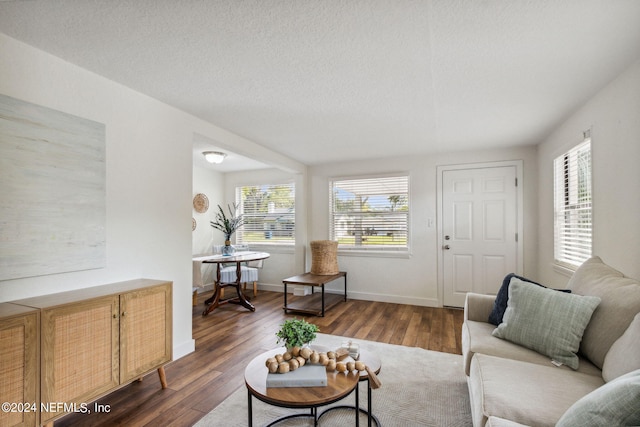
{"x":228,"y":224}
{"x":296,"y":333}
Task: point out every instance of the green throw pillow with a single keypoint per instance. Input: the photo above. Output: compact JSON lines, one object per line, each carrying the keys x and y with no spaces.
{"x":549,"y":322}
{"x":617,"y":403}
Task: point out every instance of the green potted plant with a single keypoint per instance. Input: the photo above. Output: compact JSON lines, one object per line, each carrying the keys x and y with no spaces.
{"x":228,"y":224}
{"x":296,"y":333}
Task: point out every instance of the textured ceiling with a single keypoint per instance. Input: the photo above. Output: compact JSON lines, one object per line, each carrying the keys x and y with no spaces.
{"x":331,"y":80}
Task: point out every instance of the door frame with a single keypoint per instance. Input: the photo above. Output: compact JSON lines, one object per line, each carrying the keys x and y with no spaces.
{"x":519,"y":164}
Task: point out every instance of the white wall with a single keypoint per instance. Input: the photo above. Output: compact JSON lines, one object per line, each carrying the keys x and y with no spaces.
{"x":410,"y":280}
{"x":149,"y":177}
{"x":613,"y":115}
{"x":413,"y":279}
{"x":211,"y":184}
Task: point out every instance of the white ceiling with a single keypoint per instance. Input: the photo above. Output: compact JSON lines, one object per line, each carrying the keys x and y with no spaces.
{"x":232,"y":163}
{"x":332,"y":80}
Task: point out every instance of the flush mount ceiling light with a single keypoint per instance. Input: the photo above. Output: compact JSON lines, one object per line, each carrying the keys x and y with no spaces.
{"x":214,"y":156}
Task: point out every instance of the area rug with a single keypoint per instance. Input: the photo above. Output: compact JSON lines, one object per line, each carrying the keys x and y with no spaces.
{"x":419,"y":388}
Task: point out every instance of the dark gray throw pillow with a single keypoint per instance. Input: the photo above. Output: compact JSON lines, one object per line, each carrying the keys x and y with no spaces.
{"x":500,"y":304}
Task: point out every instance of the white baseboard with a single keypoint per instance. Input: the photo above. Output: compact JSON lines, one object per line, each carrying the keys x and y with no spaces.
{"x":395,"y":299}
{"x":301,"y":290}
{"x":205,"y":288}
{"x":274,"y":287}
{"x":184,"y":348}
{"x":365,"y":296}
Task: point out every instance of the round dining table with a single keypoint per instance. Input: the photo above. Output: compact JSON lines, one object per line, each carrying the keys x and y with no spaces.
{"x":238,"y":259}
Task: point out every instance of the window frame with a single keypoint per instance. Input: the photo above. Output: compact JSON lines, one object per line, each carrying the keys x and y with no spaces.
{"x":573,"y":206}
{"x":371,"y":250}
{"x":268,"y":241}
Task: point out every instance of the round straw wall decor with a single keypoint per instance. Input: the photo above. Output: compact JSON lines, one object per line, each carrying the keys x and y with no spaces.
{"x":324,"y":257}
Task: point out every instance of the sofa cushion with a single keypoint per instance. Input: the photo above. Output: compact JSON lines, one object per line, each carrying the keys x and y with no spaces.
{"x":547,"y":321}
{"x":620,"y":302}
{"x":616,"y":403}
{"x":624,"y":355}
{"x":502,"y":297}
{"x":501,"y":422}
{"x":523,"y":392}
{"x":477,"y":338}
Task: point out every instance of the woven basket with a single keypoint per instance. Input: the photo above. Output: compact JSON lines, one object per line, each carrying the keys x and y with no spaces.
{"x":324,"y":257}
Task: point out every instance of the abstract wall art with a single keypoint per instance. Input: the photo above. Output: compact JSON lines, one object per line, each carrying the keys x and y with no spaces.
{"x":52,"y":191}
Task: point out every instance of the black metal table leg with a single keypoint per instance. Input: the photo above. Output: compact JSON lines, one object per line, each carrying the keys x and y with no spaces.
{"x":357,"y":404}
{"x":369,"y":405}
{"x":285,"y":297}
{"x":358,"y":409}
{"x":250,"y":410}
{"x":345,"y":286}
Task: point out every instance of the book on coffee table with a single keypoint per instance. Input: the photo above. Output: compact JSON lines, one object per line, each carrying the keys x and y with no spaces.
{"x":306,"y":376}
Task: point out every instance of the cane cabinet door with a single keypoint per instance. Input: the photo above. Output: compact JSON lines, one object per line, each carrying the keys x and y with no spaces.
{"x":79,"y":352}
{"x":145,"y":330}
{"x":19,"y":342}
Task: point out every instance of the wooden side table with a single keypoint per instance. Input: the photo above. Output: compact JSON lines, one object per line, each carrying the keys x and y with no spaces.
{"x":314,"y":303}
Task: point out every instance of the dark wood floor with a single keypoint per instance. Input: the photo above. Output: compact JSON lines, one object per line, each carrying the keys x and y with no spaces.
{"x":229,"y":337}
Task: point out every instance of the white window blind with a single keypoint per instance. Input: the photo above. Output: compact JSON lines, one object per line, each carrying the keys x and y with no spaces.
{"x":572,"y":202}
{"x":269,"y":214}
{"x":370,"y":213}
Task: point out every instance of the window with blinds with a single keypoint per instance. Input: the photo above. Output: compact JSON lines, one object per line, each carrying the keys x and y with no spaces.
{"x":269,"y":213}
{"x":572,"y":202}
{"x":370,"y":213}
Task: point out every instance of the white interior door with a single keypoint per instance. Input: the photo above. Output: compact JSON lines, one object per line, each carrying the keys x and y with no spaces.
{"x":479,"y":230}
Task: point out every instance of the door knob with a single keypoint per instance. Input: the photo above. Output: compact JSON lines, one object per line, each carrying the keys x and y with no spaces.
{"x":446,"y":247}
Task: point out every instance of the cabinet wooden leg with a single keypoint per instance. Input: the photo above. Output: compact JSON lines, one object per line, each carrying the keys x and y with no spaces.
{"x":163,"y":377}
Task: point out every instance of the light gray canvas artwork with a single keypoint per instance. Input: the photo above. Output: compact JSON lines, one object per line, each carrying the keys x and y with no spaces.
{"x":52,"y":191}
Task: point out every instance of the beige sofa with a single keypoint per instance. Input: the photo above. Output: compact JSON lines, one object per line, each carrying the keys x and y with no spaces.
{"x":510,"y":384}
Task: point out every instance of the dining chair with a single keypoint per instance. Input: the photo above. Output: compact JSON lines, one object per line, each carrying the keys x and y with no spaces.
{"x":249,"y":274}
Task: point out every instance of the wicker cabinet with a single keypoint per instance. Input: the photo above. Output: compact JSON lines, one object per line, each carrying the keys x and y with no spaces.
{"x":19,"y":343}
{"x":97,"y":339}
